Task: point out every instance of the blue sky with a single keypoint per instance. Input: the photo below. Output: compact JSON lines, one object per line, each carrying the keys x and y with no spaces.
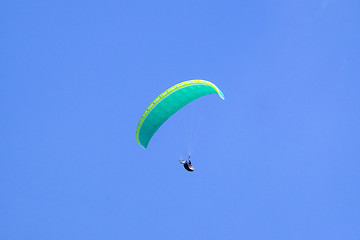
{"x":278,"y":159}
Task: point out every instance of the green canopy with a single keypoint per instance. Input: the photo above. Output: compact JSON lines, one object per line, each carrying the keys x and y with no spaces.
{"x":168,"y":103}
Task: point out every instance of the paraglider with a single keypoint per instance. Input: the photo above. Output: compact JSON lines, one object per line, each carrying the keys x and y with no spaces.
{"x":187,"y":164}
{"x":167,"y":104}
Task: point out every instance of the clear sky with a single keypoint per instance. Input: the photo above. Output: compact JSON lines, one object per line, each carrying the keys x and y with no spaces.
{"x":278,"y":159}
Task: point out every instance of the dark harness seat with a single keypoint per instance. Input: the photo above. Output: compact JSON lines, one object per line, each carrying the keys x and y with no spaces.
{"x":189,"y":167}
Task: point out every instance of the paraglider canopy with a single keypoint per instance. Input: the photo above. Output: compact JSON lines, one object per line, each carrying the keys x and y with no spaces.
{"x":168,"y":103}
